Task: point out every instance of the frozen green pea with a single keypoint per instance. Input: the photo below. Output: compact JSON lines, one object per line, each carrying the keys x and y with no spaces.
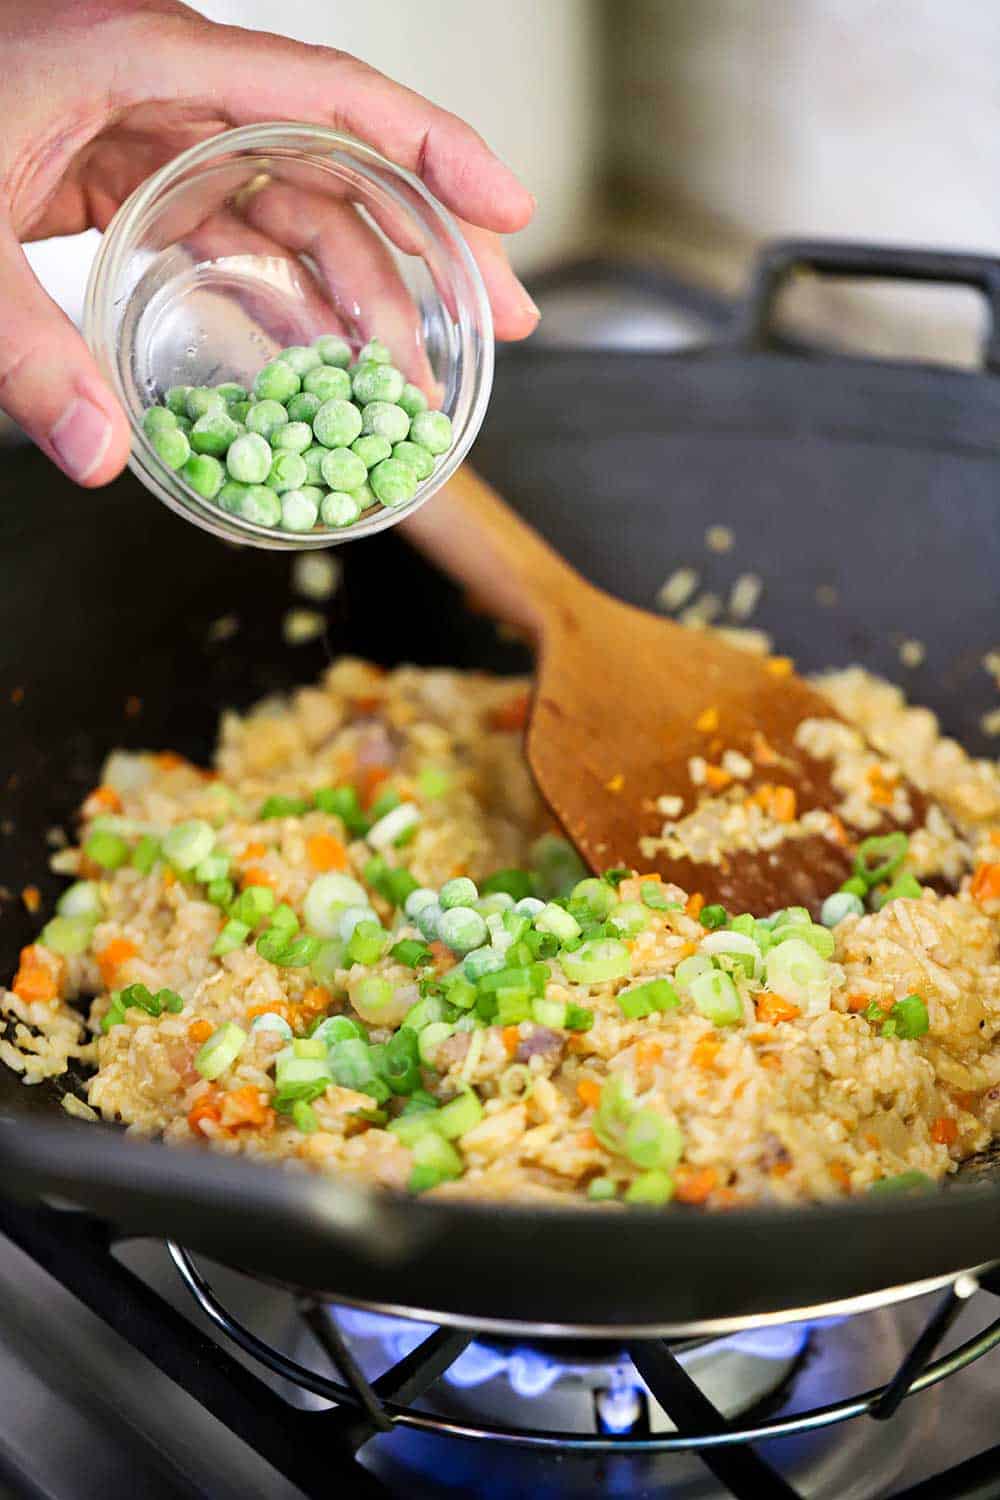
{"x":201,"y":400}
{"x":238,"y":410}
{"x":249,"y":459}
{"x":387,"y":420}
{"x":461,"y":891}
{"x":176,"y":399}
{"x":328,"y":382}
{"x":230,"y":497}
{"x":158,"y":419}
{"x":364,"y":495}
{"x":337,"y":423}
{"x":213,"y":433}
{"x":313,"y":491}
{"x":377,"y":383}
{"x":343,"y":470}
{"x":303,"y":407}
{"x":294,"y":437}
{"x":230,"y":392}
{"x":261,"y":506}
{"x":265,"y":417}
{"x":371,"y":449}
{"x":185,"y":424}
{"x":412,"y":399}
{"x":417,"y":457}
{"x":462,"y":930}
{"x":298,"y":511}
{"x":172,"y":447}
{"x":204,"y":474}
{"x":393,"y":482}
{"x":333,"y":350}
{"x":288,"y":471}
{"x":338,"y":509}
{"x":374,"y":353}
{"x":276,"y":382}
{"x":432,"y":430}
{"x":301,"y":358}
{"x":313,"y":458}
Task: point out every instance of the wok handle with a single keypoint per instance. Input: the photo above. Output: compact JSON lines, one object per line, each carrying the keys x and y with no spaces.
{"x":774,"y":267}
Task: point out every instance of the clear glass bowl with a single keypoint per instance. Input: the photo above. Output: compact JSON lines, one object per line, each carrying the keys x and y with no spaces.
{"x":268,"y":236}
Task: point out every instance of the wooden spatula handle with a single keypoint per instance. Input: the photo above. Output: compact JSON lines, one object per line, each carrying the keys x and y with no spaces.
{"x":482,"y":543}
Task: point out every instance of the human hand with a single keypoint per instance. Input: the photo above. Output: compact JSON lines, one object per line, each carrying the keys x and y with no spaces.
{"x":99,"y":95}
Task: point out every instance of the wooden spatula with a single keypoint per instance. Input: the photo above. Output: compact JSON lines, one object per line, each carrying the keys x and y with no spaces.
{"x":625,"y":700}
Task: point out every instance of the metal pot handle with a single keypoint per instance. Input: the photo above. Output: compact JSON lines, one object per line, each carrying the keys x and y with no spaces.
{"x":774,"y":266}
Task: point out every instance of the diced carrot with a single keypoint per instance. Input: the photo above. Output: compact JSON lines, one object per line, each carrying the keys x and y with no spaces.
{"x":966,"y":1100}
{"x":763,"y":751}
{"x":781,"y":1169}
{"x":589,"y":1092}
{"x":857,"y":1003}
{"x":707,"y":721}
{"x":257,"y":875}
{"x":648,"y":1054}
{"x":840,"y":1174}
{"x":783,"y":804}
{"x":694,"y":903}
{"x":771,"y":1008}
{"x":779,"y":666}
{"x":944,"y":1131}
{"x":205,"y":1108}
{"x":111,"y":958}
{"x":367,"y":704}
{"x":243,"y":1106}
{"x":511,"y":1038}
{"x":840,"y":834}
{"x":689,"y":950}
{"x":316,"y":998}
{"x":169,"y":760}
{"x":717,"y":778}
{"x":32,"y":897}
{"x":772,"y":1061}
{"x":727,"y":1197}
{"x":511,"y":715}
{"x":168,"y":877}
{"x":615,"y":784}
{"x":274,"y":1007}
{"x":705,"y":1051}
{"x":587,"y":1140}
{"x":200,"y":1031}
{"x":372,"y":778}
{"x":326,"y":852}
{"x":871,"y":1139}
{"x":986,"y":883}
{"x":106,"y":797}
{"x":255,"y":850}
{"x":34,"y":979}
{"x":694,"y":1184}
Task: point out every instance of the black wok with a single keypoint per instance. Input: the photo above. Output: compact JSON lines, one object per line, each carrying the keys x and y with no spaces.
{"x":881,"y":480}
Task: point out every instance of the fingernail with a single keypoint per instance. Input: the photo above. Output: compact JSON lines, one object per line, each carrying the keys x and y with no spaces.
{"x":531,"y":306}
{"x":81,"y":437}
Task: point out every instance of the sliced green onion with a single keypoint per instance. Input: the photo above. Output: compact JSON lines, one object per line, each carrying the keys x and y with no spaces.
{"x":905,"y":887}
{"x":431,"y":1008}
{"x":818,"y":938}
{"x":394,"y":825}
{"x":615,"y":876}
{"x":629,"y":918}
{"x":646,"y":999}
{"x":327,"y":963}
{"x":716,"y":997}
{"x":187,"y":844}
{"x":554,"y":919}
{"x":433,"y":1151}
{"x":655,"y":897}
{"x":233,"y":935}
{"x":598,"y":896}
{"x":689,"y":968}
{"x":401,"y":1062}
{"x":309,"y":1046}
{"x":513,"y":1005}
{"x":327,"y":897}
{"x":433,"y":782}
{"x":855,"y":886}
{"x":304,"y":1116}
{"x":459,"y":991}
{"x":458,"y":1115}
{"x":551,"y":1013}
{"x":597,"y":962}
{"x":221,"y":893}
{"x":385,"y":802}
{"x":615,"y":1110}
{"x":283,"y":807}
{"x":652,"y":1141}
{"x":904,"y":1182}
{"x":215,"y":867}
{"x":911,"y":1017}
{"x":601,"y":1189}
{"x":579,"y":1017}
{"x":145,"y":854}
{"x":82,"y":899}
{"x":284,"y":918}
{"x":797,"y":973}
{"x":253,"y":905}
{"x":366,"y":944}
{"x":67,"y":935}
{"x":411,"y":952}
{"x":220,"y":1051}
{"x":409,"y":1128}
{"x":879,"y":858}
{"x":431,"y":1038}
{"x":654,"y":1188}
{"x":713,"y":917}
{"x":342,"y":802}
{"x":109,"y":850}
{"x":741,"y":951}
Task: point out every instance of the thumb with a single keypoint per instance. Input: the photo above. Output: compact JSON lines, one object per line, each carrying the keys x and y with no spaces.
{"x":49,"y":382}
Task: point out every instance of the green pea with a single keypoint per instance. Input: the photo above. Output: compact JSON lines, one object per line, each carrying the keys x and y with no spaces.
{"x":295,"y":437}
{"x":371,"y":449}
{"x":328,"y":382}
{"x":201,"y":400}
{"x":393,"y":482}
{"x":412,"y":399}
{"x":276,"y":382}
{"x":298,"y":511}
{"x":303,"y":407}
{"x":184,"y":425}
{"x":172,"y":447}
{"x":313,"y":491}
{"x":265,"y":417}
{"x":432,"y":429}
{"x":313,"y":458}
{"x":343,"y":470}
{"x":238,"y":410}
{"x":176,"y":399}
{"x":364,"y":495}
{"x":213,"y":433}
{"x":374,"y":353}
{"x":249,"y":459}
{"x":338,"y":509}
{"x":417,"y":457}
{"x":261,"y":506}
{"x":333,"y":350}
{"x":301,"y":358}
{"x":230,"y":497}
{"x":288,"y":471}
{"x":387,"y":420}
{"x":377,"y":383}
{"x":337,"y":423}
{"x":158,"y":419}
{"x":230,"y":392}
{"x":204,"y":474}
